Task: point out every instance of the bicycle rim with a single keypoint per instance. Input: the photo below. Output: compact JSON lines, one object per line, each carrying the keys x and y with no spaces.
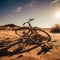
{"x":42,"y":33}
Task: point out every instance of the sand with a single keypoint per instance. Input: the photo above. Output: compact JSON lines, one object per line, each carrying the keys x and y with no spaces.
{"x":53,"y":54}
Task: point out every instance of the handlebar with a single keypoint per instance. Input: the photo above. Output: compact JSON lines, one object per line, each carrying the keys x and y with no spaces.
{"x":28,"y":21}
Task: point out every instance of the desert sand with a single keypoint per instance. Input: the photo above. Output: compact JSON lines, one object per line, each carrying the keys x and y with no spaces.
{"x":53,"y":54}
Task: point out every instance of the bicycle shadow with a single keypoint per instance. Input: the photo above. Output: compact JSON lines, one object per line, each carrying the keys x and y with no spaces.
{"x":5,"y":52}
{"x":44,"y":50}
{"x":19,"y":50}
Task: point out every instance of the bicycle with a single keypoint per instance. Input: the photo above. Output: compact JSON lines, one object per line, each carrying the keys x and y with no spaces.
{"x":29,"y":39}
{"x":34,"y":33}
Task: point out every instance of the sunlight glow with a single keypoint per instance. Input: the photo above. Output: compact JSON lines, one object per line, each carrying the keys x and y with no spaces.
{"x":57,"y":15}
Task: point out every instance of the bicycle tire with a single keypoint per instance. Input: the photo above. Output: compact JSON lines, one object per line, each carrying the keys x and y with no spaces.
{"x":49,"y":37}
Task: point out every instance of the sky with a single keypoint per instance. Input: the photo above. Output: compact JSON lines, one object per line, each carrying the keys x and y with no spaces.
{"x":44,"y":12}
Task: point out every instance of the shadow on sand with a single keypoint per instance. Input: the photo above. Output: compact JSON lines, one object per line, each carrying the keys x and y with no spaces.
{"x":19,"y":50}
{"x":5,"y":52}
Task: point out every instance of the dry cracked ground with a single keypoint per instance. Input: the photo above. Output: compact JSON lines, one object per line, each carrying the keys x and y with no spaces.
{"x":53,"y":54}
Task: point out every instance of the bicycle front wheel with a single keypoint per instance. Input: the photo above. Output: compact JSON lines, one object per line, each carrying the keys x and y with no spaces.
{"x":22,"y":31}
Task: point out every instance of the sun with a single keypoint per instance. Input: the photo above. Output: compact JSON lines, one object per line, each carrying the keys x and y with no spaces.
{"x":57,"y":15}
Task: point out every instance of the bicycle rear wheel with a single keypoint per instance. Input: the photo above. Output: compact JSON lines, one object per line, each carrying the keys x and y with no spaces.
{"x":41,"y":36}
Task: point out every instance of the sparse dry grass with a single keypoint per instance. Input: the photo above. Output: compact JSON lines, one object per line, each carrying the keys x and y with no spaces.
{"x":55,"y":29}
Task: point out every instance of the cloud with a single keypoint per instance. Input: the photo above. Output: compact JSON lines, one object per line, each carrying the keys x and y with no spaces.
{"x":31,"y":4}
{"x":54,"y":2}
{"x":36,"y":2}
{"x":15,"y":12}
{"x":19,"y":9}
{"x":11,"y":15}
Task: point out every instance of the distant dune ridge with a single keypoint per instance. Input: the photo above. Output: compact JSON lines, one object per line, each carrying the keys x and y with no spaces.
{"x":14,"y":27}
{"x":9,"y":27}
